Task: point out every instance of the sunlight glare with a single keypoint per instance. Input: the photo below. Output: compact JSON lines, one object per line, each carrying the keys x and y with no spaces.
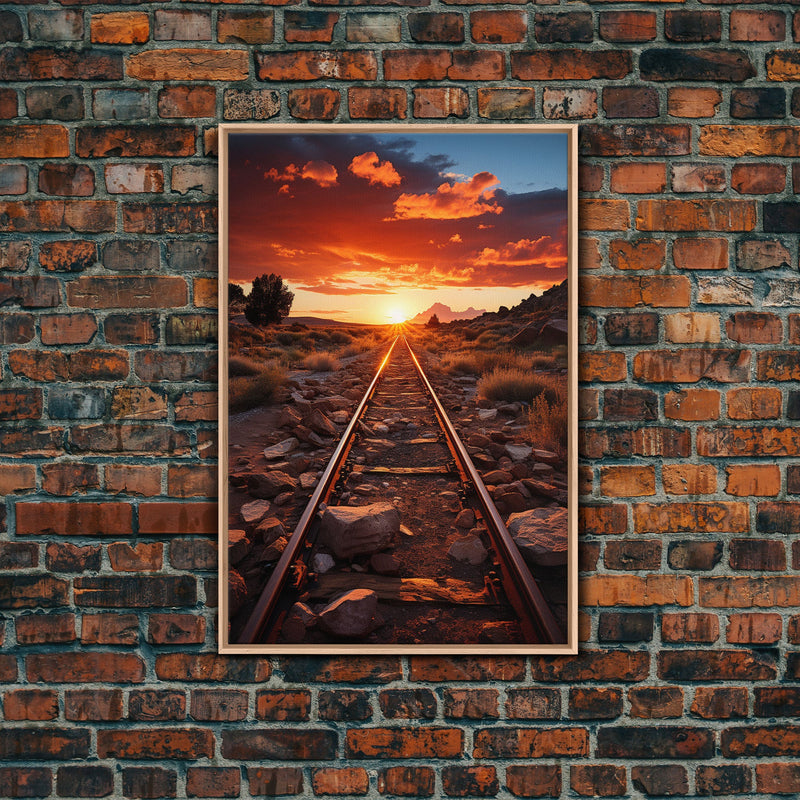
{"x":397,"y":316}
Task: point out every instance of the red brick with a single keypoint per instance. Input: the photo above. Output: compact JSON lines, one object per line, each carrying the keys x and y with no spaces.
{"x":573,"y":27}
{"x":749,"y":140}
{"x":187,"y":101}
{"x":377,"y":103}
{"x":618,"y":291}
{"x":592,"y":665}
{"x":539,"y":703}
{"x":470,"y":703}
{"x":598,"y":780}
{"x":17,"y":478}
{"x":640,"y":102}
{"x":700,"y":253}
{"x":693,"y":103}
{"x":743,"y":592}
{"x":133,"y":480}
{"x":194,"y":64}
{"x":570,"y":64}
{"x":310,"y":65}
{"x":589,"y":703}
{"x":758,"y":178}
{"x":20,"y":781}
{"x":719,"y":702}
{"x":46,"y":63}
{"x":84,"y":667}
{"x":689,"y":627}
{"x":440,"y":103}
{"x":656,"y":702}
{"x":692,"y":404}
{"x":707,"y":517}
{"x":756,"y":403}
{"x":470,"y":781}
{"x":534,"y":780}
{"x":602,"y":366}
{"x":176,"y":629}
{"x":126,"y":141}
{"x":58,"y":216}
{"x":762,"y":740}
{"x":344,"y":704}
{"x":507,"y":103}
{"x":124,"y":27}
{"x":93,"y":704}
{"x":68,"y":328}
{"x":495,"y":27}
{"x":436,"y":27}
{"x":507,"y":742}
{"x":690,"y":366}
{"x":757,"y":26}
{"x":313,"y":103}
{"x":755,"y":629}
{"x":635,"y":178}
{"x":210,"y":667}
{"x":627,"y":481}
{"x":408,"y":703}
{"x":275,"y":780}
{"x":744,"y":480}
{"x":628,"y":139}
{"x":344,"y":780}
{"x":407,"y":781}
{"x":664,"y":741}
{"x":30,"y":704}
{"x":169,"y":217}
{"x":33,"y":141}
{"x":149,"y":705}
{"x":112,"y":628}
{"x":696,"y":215}
{"x":627,"y":26}
{"x":257,"y":744}
{"x":164,"y":743}
{"x":778,"y":778}
{"x":752,"y":327}
{"x":213,"y":782}
{"x":141,"y":557}
{"x":638,"y":254}
{"x":283,"y":705}
{"x":634,"y":590}
{"x":724,"y":779}
{"x":473,"y":668}
{"x":43,"y":743}
{"x":68,"y":478}
{"x":127,"y":292}
{"x":74,"y":519}
{"x":245,"y":27}
{"x":219,"y":705}
{"x":66,"y":180}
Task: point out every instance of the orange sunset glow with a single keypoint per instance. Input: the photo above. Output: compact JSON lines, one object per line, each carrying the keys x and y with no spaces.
{"x":375,"y":228}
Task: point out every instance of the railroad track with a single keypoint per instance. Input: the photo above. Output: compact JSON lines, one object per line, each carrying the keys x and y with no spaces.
{"x":400,"y":446}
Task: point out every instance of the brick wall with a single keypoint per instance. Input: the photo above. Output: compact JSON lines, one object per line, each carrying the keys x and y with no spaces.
{"x":687,"y":681}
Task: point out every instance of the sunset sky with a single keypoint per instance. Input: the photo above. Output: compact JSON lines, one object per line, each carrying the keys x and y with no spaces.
{"x":374,"y":227}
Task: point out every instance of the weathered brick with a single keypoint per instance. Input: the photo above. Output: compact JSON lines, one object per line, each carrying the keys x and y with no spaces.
{"x":179,"y":25}
{"x":776,"y":778}
{"x":663,"y":64}
{"x":245,"y":27}
{"x":309,"y":65}
{"x":696,"y":215}
{"x":45,"y":629}
{"x":762,"y":740}
{"x":665,"y":741}
{"x":213,"y":782}
{"x":507,"y":742}
{"x":627,"y":26}
{"x":591,"y":703}
{"x":165,"y":743}
{"x":666,"y":780}
{"x":678,"y":628}
{"x":507,"y":103}
{"x":377,"y":103}
{"x":120,"y":27}
{"x":573,"y":27}
{"x":49,"y":63}
{"x":757,"y":26}
{"x":758,"y":103}
{"x":534,"y":780}
{"x":689,"y":478}
{"x":344,"y":704}
{"x":598,"y":780}
{"x":275,"y":780}
{"x":629,"y":291}
{"x":639,"y":102}
{"x":149,"y":782}
{"x":407,"y":781}
{"x":190,"y":101}
{"x":638,"y":178}
{"x":193,"y":64}
{"x":693,"y":26}
{"x":570,"y":65}
{"x":437,"y":103}
{"x":494,"y":27}
{"x":283,"y":744}
{"x":724,"y":779}
{"x":43,"y":743}
{"x":340,"y":781}
{"x":408,"y":703}
{"x":758,"y":178}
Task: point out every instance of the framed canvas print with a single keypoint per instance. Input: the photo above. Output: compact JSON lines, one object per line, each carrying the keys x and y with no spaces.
{"x":398,"y":389}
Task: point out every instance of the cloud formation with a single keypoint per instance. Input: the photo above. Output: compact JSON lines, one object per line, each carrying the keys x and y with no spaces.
{"x":459,"y":200}
{"x":321,"y":172}
{"x":377,"y":172}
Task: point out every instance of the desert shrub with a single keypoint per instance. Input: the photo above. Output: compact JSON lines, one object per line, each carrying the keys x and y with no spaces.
{"x":241,"y":366}
{"x":542,"y":361}
{"x":514,"y":384}
{"x":287,"y":338}
{"x":321,"y":362}
{"x":548,"y":419}
{"x":251,"y":391}
{"x":339,"y":337}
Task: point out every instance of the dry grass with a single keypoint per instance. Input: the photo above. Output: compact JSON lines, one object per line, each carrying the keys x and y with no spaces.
{"x":250,"y":390}
{"x":548,"y":420}
{"x":322,"y":362}
{"x":513,"y":384}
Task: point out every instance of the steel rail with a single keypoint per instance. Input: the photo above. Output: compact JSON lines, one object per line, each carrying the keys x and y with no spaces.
{"x":523,"y":592}
{"x":268,"y":599}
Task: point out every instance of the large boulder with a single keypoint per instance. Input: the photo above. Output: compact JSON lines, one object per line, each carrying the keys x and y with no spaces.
{"x":353,"y":615}
{"x":468,"y":548}
{"x":542,"y":536}
{"x":355,"y":530}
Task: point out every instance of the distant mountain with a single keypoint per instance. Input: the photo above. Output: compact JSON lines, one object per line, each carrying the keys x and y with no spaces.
{"x":446,"y":314}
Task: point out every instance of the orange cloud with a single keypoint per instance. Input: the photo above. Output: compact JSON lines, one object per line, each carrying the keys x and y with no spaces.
{"x":458,"y":200}
{"x":321,"y":172}
{"x":377,"y":172}
{"x":543,"y":251}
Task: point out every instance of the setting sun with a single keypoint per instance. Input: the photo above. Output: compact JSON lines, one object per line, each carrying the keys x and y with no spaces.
{"x":397,"y":316}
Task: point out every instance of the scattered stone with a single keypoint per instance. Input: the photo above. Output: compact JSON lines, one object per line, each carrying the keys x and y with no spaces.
{"x":238,"y":546}
{"x":319,"y":423}
{"x":299,"y":619}
{"x":542,"y":470}
{"x":547,"y":457}
{"x":365,"y":488}
{"x":254,"y":511}
{"x":546,"y":490}
{"x":284,"y":498}
{"x":270,"y":530}
{"x":308,"y":436}
{"x":270,"y":484}
{"x":281,"y":449}
{"x":497,"y":477}
{"x":381,"y":428}
{"x":468,"y":548}
{"x":289,"y":418}
{"x":308,"y":480}
{"x":541,"y":535}
{"x":354,"y":530}
{"x":406,"y":531}
{"x":237,"y":592}
{"x":518,"y":452}
{"x":353,"y":615}
{"x":478,"y":440}
{"x":509,"y":409}
{"x":323,"y":562}
{"x":384,"y":564}
{"x":273,"y":551}
{"x":466,"y":518}
{"x":485,"y":414}
{"x":340,"y":417}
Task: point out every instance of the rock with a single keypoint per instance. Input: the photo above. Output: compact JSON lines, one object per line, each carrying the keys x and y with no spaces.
{"x":509,"y":409}
{"x":546,"y":490}
{"x":546,"y":457}
{"x":274,"y":550}
{"x":333,"y":403}
{"x":284,"y":498}
{"x":305,"y":434}
{"x":308,"y":480}
{"x":518,"y":452}
{"x":541,"y":535}
{"x":238,"y":546}
{"x":289,"y":418}
{"x":478,"y":440}
{"x":270,"y":484}
{"x":281,"y":449}
{"x":497,"y":476}
{"x":468,"y":548}
{"x":354,"y":530}
{"x":465,"y":518}
{"x":299,"y":619}
{"x":298,"y":464}
{"x":384,"y":564}
{"x":485,"y":414}
{"x":269,"y":530}
{"x":553,"y":332}
{"x":513,"y":501}
{"x":254,"y":512}
{"x":322,"y":563}
{"x":237,"y":592}
{"x":319,"y":423}
{"x":381,"y":428}
{"x":353,"y":615}
{"x":542,"y":470}
{"x":340,"y":417}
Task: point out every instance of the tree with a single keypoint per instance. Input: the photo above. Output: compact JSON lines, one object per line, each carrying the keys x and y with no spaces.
{"x":236,"y":296}
{"x":269,"y":301}
{"x":433,"y":322}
